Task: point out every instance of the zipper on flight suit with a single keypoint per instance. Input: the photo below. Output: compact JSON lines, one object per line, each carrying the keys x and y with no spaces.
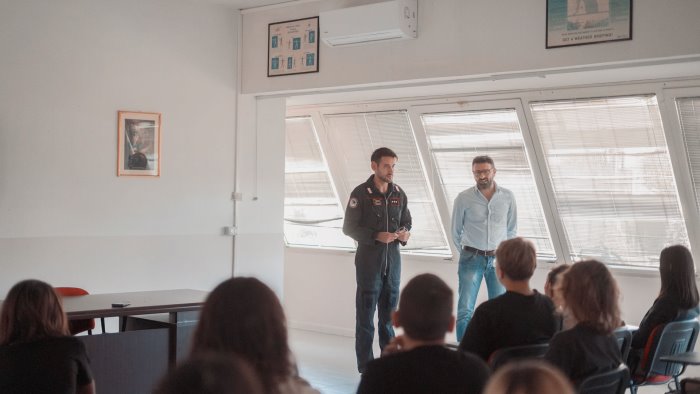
{"x":386,"y":215}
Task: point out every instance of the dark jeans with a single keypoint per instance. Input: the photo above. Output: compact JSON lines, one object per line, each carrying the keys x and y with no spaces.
{"x":376,"y":288}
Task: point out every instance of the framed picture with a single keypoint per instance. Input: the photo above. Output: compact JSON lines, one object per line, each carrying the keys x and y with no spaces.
{"x":138,"y":152}
{"x":292,"y":47}
{"x":579,"y":22}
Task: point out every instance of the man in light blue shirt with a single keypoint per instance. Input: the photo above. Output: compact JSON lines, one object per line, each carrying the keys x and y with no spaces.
{"x":482,"y":217}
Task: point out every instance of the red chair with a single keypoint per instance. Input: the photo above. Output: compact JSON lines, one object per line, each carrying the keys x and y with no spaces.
{"x":78,"y":326}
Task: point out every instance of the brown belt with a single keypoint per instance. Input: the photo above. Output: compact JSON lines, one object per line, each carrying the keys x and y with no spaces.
{"x":480,"y":252}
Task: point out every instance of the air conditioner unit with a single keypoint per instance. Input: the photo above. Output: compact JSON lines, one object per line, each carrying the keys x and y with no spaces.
{"x":388,"y":20}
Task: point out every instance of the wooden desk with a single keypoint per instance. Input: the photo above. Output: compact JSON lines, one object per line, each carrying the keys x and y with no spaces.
{"x":132,"y":361}
{"x":142,"y":302}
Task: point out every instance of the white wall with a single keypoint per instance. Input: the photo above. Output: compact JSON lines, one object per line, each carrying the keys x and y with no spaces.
{"x":66,"y":68}
{"x":459,"y":41}
{"x":458,"y":38}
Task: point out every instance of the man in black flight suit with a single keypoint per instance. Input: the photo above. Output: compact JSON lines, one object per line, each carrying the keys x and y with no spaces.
{"x":378,"y":219}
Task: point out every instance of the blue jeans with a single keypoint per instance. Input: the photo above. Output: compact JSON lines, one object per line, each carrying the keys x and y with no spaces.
{"x":375,"y":289}
{"x":472,"y":268}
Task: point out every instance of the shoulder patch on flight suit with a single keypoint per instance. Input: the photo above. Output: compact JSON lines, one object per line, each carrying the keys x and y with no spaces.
{"x":353,"y":203}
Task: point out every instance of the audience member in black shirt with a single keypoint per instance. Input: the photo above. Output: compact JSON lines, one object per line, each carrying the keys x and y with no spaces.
{"x":418,"y":361}
{"x":242,"y":317}
{"x":37,"y":354}
{"x":591,"y":296}
{"x":521,"y":316}
{"x":677,"y":300}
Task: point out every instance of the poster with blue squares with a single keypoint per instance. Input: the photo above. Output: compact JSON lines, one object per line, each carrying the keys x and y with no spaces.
{"x":292,"y":47}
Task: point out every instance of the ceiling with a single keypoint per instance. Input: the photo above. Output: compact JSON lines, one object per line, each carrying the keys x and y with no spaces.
{"x":244,"y":4}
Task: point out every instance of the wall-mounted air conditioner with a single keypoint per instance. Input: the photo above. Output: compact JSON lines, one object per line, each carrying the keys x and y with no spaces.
{"x":388,"y":20}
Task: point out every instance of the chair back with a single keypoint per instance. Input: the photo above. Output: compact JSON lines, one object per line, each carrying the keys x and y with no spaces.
{"x":502,"y":356}
{"x":70,"y":291}
{"x":76,"y":326}
{"x":676,"y":337}
{"x":611,"y":382}
{"x":623,"y":336}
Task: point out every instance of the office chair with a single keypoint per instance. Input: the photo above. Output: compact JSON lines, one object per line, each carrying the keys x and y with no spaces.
{"x":505,"y":355}
{"x":665,"y":340}
{"x":82,"y":325}
{"x":611,"y":382}
{"x":624,"y":338}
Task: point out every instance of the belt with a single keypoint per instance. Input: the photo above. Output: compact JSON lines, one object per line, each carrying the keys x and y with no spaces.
{"x":479,"y":251}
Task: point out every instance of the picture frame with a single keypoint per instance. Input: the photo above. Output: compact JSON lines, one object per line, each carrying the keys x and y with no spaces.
{"x":582,"y":22}
{"x":138,"y":147}
{"x":292,"y":47}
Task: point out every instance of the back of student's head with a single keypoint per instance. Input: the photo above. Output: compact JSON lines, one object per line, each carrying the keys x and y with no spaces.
{"x":32,"y":310}
{"x":425,"y":308}
{"x":591,"y":294}
{"x":678,"y":275}
{"x":553,"y":278}
{"x":528,"y":377}
{"x":211,"y":373}
{"x":517,"y":258}
{"x":244,"y":316}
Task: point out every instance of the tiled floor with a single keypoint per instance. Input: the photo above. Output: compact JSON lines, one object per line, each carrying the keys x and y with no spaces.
{"x":328,"y":363}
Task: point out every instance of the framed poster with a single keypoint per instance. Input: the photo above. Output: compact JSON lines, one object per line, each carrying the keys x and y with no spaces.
{"x":292,"y":47}
{"x":579,"y":22}
{"x":138,"y":152}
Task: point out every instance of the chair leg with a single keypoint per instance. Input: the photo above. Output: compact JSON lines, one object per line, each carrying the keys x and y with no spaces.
{"x":102,"y":323}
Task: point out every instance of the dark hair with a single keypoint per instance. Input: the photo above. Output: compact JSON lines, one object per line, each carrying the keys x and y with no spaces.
{"x":31,"y":311}
{"x":244,"y":316}
{"x":678,"y":276}
{"x":382,"y":152}
{"x":483,"y":159}
{"x":210,"y":373}
{"x":425,"y":308}
{"x":591,"y":294}
{"x":517,"y":258}
{"x":553,"y":276}
{"x":529,"y":377}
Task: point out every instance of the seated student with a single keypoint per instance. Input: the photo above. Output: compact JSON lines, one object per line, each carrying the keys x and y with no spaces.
{"x":520,"y":316}
{"x":529,"y":377}
{"x":243,"y":316}
{"x":419,"y":362}
{"x":552,"y":289}
{"x":211,"y":373}
{"x":591,"y":297}
{"x":677,"y":300}
{"x":37,"y":353}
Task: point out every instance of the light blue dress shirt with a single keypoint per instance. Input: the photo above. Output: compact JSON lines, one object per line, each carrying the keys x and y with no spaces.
{"x":483,"y":224}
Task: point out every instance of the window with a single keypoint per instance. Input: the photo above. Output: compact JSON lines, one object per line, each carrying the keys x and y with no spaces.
{"x":454,"y":140}
{"x":612,"y":178}
{"x":353,"y":138}
{"x":313,"y":215}
{"x":689,"y":115}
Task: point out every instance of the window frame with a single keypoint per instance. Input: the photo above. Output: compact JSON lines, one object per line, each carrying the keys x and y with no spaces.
{"x":666,"y":91}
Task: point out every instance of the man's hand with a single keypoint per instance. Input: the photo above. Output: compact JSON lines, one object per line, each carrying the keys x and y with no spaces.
{"x":403,"y":235}
{"x":385,"y":237}
{"x":395,"y":346}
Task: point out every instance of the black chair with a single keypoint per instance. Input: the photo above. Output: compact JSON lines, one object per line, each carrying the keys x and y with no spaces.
{"x":505,"y":355}
{"x":624,"y":338}
{"x":665,"y":340}
{"x":612,"y":382}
